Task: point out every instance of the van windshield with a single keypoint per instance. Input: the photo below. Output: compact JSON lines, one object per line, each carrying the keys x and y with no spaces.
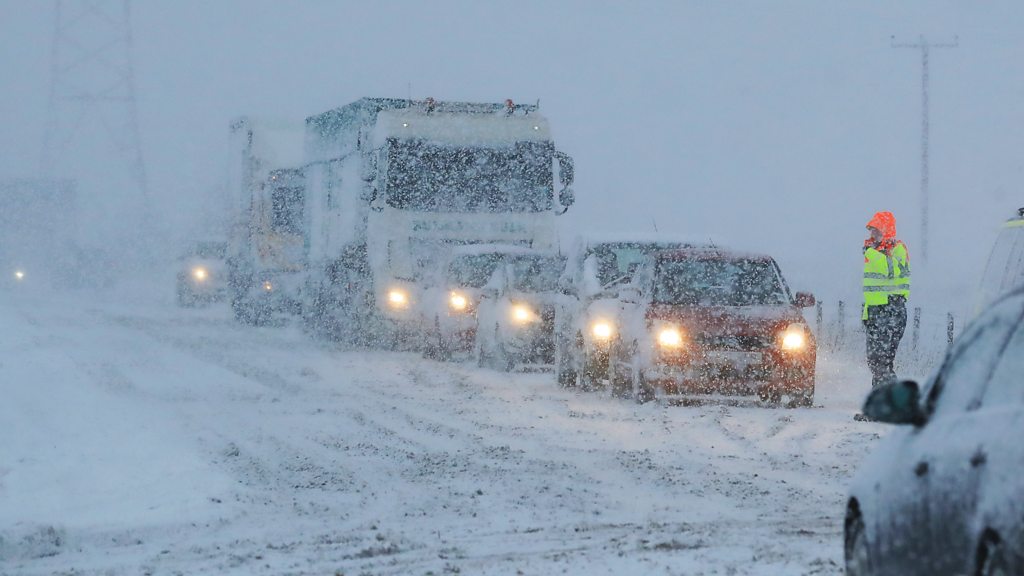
{"x":536,"y":273}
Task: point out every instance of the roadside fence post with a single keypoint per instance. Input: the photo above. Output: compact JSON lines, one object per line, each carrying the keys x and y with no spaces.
{"x":916,"y":333}
{"x":840,"y":326}
{"x":817,"y":321}
{"x":949,"y":328}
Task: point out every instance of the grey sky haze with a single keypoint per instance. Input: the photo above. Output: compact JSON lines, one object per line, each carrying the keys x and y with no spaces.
{"x":779,"y":126}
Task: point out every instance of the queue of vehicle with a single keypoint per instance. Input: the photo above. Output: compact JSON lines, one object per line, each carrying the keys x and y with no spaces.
{"x":433,"y":224}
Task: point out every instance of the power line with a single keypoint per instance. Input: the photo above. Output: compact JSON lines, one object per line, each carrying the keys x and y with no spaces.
{"x":924,"y":46}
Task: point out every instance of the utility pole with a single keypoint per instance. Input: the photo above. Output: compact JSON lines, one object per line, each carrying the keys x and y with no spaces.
{"x":924,"y":46}
{"x":92,"y":78}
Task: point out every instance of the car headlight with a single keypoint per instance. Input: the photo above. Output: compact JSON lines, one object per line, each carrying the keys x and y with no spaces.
{"x":200,"y":273}
{"x":457,"y":302}
{"x":794,"y":337}
{"x":398,"y":298}
{"x":602,"y":330}
{"x":19,"y":275}
{"x":670,"y":337}
{"x":268,"y":286}
{"x":522,"y":314}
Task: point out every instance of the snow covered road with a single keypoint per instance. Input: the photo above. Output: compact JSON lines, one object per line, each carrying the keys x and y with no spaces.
{"x":144,"y":439}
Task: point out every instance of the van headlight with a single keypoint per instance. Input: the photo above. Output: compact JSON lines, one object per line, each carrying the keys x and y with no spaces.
{"x":602,"y":330}
{"x":670,"y":337}
{"x":457,"y":302}
{"x":523,"y":314}
{"x":794,"y":337}
{"x":398,"y":298}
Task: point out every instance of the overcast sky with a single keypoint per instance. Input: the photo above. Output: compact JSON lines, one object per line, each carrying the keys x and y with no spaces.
{"x":778,"y":126}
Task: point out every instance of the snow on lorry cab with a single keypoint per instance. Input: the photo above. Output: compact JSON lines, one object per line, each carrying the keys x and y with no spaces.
{"x":265,"y":246}
{"x":394,"y":183}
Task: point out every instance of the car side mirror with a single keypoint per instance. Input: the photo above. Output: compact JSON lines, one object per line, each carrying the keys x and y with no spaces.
{"x":804,"y":300}
{"x":895,"y":403}
{"x":566,"y":169}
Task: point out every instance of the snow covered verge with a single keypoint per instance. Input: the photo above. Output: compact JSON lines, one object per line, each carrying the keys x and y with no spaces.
{"x":143,"y":439}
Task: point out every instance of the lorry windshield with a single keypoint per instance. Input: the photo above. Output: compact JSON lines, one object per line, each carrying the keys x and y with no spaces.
{"x":710,"y":282}
{"x":536,"y":273}
{"x":430,"y":177}
{"x":473,"y":271}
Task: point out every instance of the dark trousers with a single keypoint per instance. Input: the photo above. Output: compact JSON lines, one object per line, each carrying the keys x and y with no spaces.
{"x":884,"y":327}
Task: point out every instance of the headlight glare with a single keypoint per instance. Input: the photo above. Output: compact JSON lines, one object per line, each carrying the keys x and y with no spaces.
{"x":457,"y":302}
{"x":670,"y":337}
{"x":398,"y":298}
{"x":267,"y":285}
{"x":522,"y":314}
{"x":794,"y":338}
{"x":199,"y":273}
{"x":602,"y":330}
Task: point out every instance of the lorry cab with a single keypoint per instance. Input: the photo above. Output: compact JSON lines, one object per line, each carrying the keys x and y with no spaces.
{"x":402,"y":182}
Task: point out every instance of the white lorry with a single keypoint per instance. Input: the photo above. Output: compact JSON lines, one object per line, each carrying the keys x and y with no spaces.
{"x":393,"y":184}
{"x":266,"y":253}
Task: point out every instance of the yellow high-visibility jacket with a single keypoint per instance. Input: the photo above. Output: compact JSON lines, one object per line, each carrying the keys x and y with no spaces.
{"x":885,"y":274}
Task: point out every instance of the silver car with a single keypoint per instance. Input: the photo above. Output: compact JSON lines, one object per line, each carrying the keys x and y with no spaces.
{"x":448,"y":304}
{"x":944,"y":492}
{"x":516,"y":313}
{"x":588,"y":318}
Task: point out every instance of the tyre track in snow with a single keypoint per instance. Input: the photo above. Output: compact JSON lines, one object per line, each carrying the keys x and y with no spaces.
{"x":370,"y":401}
{"x":485,"y":463}
{"x":473,"y":465}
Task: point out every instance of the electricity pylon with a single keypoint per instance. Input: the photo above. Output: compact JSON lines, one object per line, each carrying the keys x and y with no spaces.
{"x":92,"y":82}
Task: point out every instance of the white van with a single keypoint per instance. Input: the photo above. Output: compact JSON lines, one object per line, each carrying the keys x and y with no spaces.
{"x":1005,"y":268}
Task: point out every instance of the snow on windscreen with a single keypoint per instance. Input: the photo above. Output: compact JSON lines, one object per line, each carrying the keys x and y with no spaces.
{"x":430,"y":176}
{"x":617,"y":261}
{"x":536,"y":273}
{"x":473,"y":271}
{"x":710,"y":282}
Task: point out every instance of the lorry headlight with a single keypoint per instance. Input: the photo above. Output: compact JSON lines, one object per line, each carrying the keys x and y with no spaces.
{"x":398,"y":298}
{"x":670,"y":337}
{"x":199,"y":273}
{"x":457,"y":302}
{"x":602,"y":329}
{"x":794,"y":338}
{"x":522,"y":314}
